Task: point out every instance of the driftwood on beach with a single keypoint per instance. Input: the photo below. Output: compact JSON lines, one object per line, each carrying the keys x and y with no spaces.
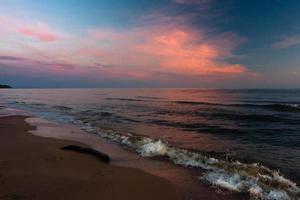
{"x":102,"y":156}
{"x":5,"y":86}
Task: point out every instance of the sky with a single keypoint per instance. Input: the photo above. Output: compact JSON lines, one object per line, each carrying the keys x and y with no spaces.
{"x":150,"y":43}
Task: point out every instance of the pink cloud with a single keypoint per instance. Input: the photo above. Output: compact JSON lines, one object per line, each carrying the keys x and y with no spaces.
{"x":91,"y":52}
{"x":162,"y":47}
{"x":39,"y":35}
{"x":183,"y":50}
{"x":40,"y":32}
{"x":37,"y":30}
{"x":168,"y":48}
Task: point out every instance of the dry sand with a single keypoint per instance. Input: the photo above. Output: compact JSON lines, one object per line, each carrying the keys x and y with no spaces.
{"x":33,"y":167}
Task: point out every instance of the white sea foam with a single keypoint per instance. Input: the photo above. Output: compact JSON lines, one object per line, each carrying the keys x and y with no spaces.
{"x":153,"y":148}
{"x":225,"y":180}
{"x":295,"y":105}
{"x":277,"y":195}
{"x":257,"y":180}
{"x":256,"y":191}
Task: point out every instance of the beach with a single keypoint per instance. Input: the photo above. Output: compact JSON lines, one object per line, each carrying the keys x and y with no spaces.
{"x":141,"y":99}
{"x":200,"y":146}
{"x":33,"y":167}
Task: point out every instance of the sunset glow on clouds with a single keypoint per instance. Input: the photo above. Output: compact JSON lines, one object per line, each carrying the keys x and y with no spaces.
{"x":158,"y":48}
{"x":39,"y":33}
{"x":162,"y":49}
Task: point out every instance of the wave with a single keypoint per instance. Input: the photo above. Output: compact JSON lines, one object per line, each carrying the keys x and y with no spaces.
{"x":29,"y":103}
{"x":285,"y":107}
{"x":241,"y":116}
{"x":257,"y":180}
{"x":34,"y":104}
{"x":288,"y":107}
{"x":270,"y":102}
{"x":276,"y":107}
{"x":148,"y":97}
{"x":200,"y":127}
{"x":197,"y":103}
{"x":156,"y":99}
{"x":95,"y":116}
{"x":125,"y":99}
{"x":280,"y":107}
{"x":63,"y":108}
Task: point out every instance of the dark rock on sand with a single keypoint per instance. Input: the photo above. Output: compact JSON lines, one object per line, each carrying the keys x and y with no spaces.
{"x":5,"y":86}
{"x":102,"y":156}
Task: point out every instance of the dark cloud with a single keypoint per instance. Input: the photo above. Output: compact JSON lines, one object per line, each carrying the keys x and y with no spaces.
{"x":11,"y":58}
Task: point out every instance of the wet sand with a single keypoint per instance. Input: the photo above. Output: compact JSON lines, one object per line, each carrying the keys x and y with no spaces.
{"x":185,"y":180}
{"x":33,"y":167}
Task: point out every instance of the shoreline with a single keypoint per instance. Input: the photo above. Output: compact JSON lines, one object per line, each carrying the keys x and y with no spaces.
{"x":186,"y":181}
{"x":163,"y":148}
{"x":35,"y":167}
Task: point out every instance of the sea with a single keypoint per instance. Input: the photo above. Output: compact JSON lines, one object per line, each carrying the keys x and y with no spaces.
{"x":245,"y":141}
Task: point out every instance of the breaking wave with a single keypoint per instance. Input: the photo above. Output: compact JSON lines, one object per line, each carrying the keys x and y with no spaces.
{"x":257,"y":180}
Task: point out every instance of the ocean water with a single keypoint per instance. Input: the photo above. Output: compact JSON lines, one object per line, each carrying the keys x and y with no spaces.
{"x":243,"y":140}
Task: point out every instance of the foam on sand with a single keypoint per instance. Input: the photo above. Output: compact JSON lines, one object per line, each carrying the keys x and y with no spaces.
{"x":257,"y":180}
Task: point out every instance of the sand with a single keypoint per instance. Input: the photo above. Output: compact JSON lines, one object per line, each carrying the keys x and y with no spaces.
{"x":33,"y":167}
